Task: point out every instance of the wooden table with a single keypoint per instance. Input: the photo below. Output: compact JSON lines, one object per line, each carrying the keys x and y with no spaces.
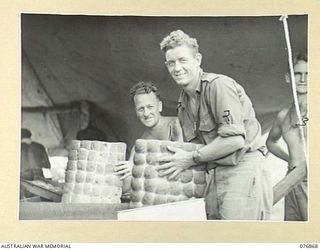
{"x":69,"y":211}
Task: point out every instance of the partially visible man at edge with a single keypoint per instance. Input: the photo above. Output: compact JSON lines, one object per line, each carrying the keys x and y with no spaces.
{"x":148,"y":108}
{"x":34,"y":158}
{"x":286,"y":125}
{"x":214,"y":110}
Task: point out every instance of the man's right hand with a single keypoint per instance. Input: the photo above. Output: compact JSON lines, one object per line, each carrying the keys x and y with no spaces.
{"x":124,"y":168}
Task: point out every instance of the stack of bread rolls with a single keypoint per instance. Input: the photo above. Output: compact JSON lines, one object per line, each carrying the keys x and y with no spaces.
{"x":148,"y":188}
{"x":90,"y":174}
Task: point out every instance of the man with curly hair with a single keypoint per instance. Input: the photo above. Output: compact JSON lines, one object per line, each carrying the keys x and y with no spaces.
{"x":214,"y":110}
{"x":148,"y":108}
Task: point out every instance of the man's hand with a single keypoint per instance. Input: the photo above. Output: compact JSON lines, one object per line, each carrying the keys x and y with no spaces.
{"x":124,"y":168}
{"x":175,"y":163}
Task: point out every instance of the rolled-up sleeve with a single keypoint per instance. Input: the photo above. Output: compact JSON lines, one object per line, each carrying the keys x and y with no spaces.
{"x":226,"y":107}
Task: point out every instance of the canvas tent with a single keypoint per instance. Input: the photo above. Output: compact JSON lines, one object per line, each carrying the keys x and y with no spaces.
{"x":66,"y":59}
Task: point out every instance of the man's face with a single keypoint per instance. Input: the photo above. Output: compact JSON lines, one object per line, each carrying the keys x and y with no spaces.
{"x":148,"y":108}
{"x":301,"y":76}
{"x":183,"y":65}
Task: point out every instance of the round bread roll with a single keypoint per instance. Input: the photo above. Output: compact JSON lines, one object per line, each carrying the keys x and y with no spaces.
{"x":82,"y":165}
{"x":199,"y":177}
{"x":140,"y":146}
{"x":96,"y":190}
{"x":150,"y":172}
{"x":150,"y":185}
{"x":153,"y":146}
{"x":152,"y":158}
{"x":137,"y":184}
{"x":78,"y":188}
{"x":109,"y":180}
{"x":121,"y":157}
{"x":74,"y":144}
{"x":100,"y":168}
{"x":182,"y":197}
{"x":70,"y":176}
{"x":137,"y":196}
{"x":138,"y":171}
{"x":72,"y":165}
{"x":187,"y":189}
{"x":148,"y":199}
{"x":85,"y":144}
{"x":93,"y":155}
{"x":199,"y":190}
{"x":81,"y":176}
{"x":160,"y":199}
{"x":90,"y":177}
{"x":135,"y":204}
{"x":95,"y":199}
{"x":91,"y":166}
{"x":117,"y":182}
{"x":68,"y":187}
{"x":83,"y":154}
{"x":121,"y":147}
{"x":73,"y":155}
{"x":164,"y":146}
{"x":175,"y":188}
{"x":139,"y":159}
{"x":87,"y":189}
{"x":172,"y":198}
{"x":109,"y":168}
{"x":100,"y":179}
{"x":186,"y":176}
{"x":95,"y":145}
{"x":163,"y":186}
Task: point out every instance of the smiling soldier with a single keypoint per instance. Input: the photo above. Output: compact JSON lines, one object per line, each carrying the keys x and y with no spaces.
{"x":214,"y":110}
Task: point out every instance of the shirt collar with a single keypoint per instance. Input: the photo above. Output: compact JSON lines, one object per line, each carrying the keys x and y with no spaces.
{"x":198,"y":88}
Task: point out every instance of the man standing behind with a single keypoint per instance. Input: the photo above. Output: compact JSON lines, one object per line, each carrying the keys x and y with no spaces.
{"x":214,"y":110}
{"x":148,"y":107}
{"x":286,"y":125}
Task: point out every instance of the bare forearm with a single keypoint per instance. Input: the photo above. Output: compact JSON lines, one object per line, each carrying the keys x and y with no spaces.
{"x":277,"y":150}
{"x":220,"y":147}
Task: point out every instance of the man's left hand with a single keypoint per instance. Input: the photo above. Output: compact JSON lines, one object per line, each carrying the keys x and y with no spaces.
{"x":176,"y":163}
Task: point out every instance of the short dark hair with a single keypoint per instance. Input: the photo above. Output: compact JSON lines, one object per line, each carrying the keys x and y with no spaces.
{"x":25,"y":133}
{"x":143,"y":88}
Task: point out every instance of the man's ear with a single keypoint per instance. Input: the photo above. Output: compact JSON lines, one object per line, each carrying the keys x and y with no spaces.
{"x":198,"y":57}
{"x":160,"y":106}
{"x":287,"y":77}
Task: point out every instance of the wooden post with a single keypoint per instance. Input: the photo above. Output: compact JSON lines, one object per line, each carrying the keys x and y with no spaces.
{"x":284,"y":186}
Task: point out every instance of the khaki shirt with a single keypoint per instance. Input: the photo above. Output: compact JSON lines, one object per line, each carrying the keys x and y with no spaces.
{"x":222,"y":109}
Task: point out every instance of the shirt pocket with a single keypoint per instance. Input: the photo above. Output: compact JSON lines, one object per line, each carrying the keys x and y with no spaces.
{"x":188,"y":132}
{"x":207,"y":128}
{"x":207,"y":124}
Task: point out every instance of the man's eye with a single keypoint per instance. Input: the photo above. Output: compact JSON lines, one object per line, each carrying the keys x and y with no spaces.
{"x":183,"y":60}
{"x":171,"y":63}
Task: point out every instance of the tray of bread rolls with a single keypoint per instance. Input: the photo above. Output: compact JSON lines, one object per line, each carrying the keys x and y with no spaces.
{"x":90,"y":176}
{"x":149,"y":188}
